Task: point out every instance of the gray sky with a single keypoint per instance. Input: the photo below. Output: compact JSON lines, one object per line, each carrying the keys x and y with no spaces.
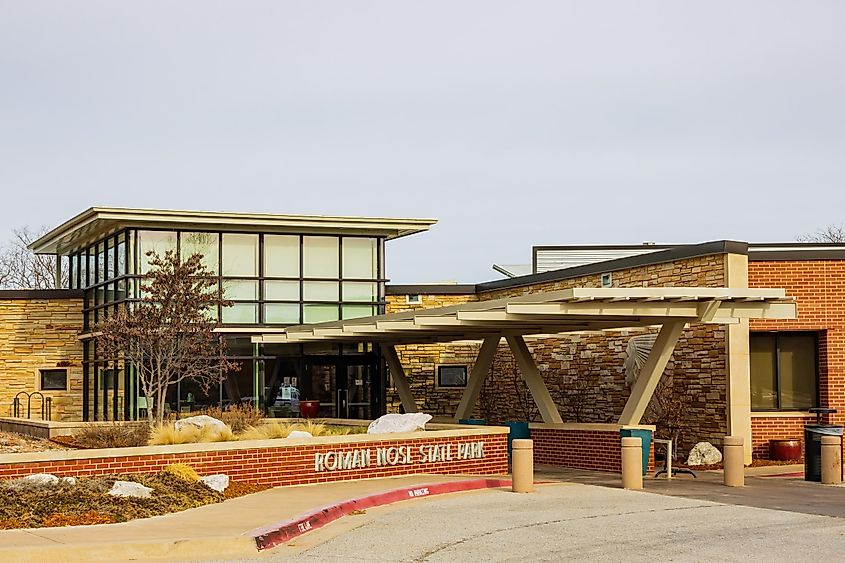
{"x":513,"y":123}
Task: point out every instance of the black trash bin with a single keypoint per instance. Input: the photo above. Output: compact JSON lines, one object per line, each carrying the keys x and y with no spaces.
{"x":813,"y":444}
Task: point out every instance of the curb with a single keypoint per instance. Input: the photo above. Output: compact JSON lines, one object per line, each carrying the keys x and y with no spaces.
{"x":272,"y":535}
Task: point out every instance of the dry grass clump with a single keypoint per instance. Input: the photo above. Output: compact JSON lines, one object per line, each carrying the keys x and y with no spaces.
{"x":183,"y":471}
{"x":167,"y":434}
{"x":236,"y":417}
{"x":276,"y":429}
{"x":115,"y":435}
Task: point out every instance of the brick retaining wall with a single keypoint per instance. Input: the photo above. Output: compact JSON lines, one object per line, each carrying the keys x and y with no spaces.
{"x":591,"y":449}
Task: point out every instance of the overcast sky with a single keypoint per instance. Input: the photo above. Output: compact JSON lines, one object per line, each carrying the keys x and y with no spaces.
{"x":513,"y":123}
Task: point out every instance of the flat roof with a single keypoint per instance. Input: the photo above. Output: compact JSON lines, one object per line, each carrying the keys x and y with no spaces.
{"x":551,"y":312}
{"x":97,"y":222}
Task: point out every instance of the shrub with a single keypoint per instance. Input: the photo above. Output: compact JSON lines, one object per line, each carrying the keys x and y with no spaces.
{"x":269,"y":431}
{"x":237,"y":417}
{"x":183,"y":471}
{"x":167,"y":434}
{"x":115,"y":435}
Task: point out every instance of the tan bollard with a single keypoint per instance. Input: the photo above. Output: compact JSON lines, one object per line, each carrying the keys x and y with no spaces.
{"x":522,"y":462}
{"x":831,"y":460}
{"x":733,"y":462}
{"x":632,"y":463}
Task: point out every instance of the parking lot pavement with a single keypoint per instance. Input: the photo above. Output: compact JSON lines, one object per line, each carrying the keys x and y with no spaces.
{"x":571,"y":522}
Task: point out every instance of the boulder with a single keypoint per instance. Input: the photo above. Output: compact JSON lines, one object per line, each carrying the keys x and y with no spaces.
{"x":69,"y":481}
{"x":201,"y":421}
{"x":129,"y":489}
{"x":299,"y":434}
{"x":704,"y":453}
{"x":393,"y":423}
{"x":41,"y":479}
{"x":217,"y":482}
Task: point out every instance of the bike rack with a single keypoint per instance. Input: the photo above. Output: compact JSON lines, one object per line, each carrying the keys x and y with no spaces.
{"x":46,"y":405}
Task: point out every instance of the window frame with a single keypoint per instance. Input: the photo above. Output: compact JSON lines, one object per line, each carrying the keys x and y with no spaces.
{"x":437,"y":376}
{"x":777,"y":335}
{"x":42,"y":371}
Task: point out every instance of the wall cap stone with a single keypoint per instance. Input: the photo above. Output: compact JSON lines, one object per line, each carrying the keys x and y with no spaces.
{"x":589,"y":426}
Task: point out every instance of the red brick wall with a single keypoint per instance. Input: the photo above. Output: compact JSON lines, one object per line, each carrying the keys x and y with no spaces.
{"x":595,"y":450}
{"x":819,"y":287}
{"x":286,"y":465}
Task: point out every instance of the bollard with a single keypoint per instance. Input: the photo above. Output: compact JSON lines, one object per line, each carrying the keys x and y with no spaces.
{"x":632,"y":463}
{"x":831,"y":460}
{"x":733,"y":462}
{"x":523,"y":466}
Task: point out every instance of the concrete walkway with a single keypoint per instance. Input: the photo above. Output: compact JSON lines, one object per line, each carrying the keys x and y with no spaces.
{"x":216,"y":530}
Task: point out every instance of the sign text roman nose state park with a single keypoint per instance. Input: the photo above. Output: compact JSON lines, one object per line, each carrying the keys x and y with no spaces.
{"x":362,"y":458}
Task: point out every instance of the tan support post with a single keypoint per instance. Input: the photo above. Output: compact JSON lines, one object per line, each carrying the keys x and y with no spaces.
{"x":399,"y":379}
{"x":528,"y":368}
{"x":831,"y":460}
{"x":523,"y":466}
{"x":632,"y":463}
{"x":733,"y":461}
{"x":479,"y":374}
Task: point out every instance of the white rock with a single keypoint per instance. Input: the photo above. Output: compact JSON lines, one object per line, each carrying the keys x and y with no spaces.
{"x":392,"y":423}
{"x":299,"y":434}
{"x":704,"y":453}
{"x":201,"y":421}
{"x":69,"y":481}
{"x":129,"y":489}
{"x":217,"y":482}
{"x":41,"y":479}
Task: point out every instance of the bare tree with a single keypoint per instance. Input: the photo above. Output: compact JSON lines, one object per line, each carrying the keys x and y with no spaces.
{"x":21,"y":269}
{"x":830,"y":233}
{"x":169,"y":334}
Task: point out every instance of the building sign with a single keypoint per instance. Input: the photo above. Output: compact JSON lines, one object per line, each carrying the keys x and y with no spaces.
{"x":362,"y":458}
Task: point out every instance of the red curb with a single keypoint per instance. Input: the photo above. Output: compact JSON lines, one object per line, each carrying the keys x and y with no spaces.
{"x":270,"y":536}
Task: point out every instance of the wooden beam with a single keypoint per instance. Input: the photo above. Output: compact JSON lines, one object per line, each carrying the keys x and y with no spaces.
{"x":531,"y":375}
{"x":399,"y":378}
{"x":479,"y":374}
{"x":651,"y":371}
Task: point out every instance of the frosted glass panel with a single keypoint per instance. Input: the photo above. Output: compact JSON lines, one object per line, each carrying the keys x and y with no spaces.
{"x":357,"y":311}
{"x":239,"y":290}
{"x":282,"y":290}
{"x":241,"y":313}
{"x":320,"y":257}
{"x":319,"y":291}
{"x":240,"y":255}
{"x":763,"y":372}
{"x":281,"y":313}
{"x":319,"y":313}
{"x":206,"y":244}
{"x":281,"y":256}
{"x":797,"y":363}
{"x":156,"y":241}
{"x":354,"y":291}
{"x":359,"y":258}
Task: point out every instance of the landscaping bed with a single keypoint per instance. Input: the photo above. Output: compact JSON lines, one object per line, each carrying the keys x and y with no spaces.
{"x":12,"y":443}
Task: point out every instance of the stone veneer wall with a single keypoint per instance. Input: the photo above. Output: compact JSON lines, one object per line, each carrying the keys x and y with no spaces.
{"x":584,"y":372}
{"x":39,"y":334}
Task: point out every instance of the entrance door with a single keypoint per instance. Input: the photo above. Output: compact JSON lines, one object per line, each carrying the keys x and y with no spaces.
{"x":342,"y":385}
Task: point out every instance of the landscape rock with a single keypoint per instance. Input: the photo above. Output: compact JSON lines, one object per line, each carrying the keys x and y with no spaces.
{"x":130,"y":489}
{"x":218,"y":482}
{"x":393,"y":423}
{"x":69,"y":481}
{"x":41,"y":479}
{"x":704,"y":453}
{"x":299,"y":434}
{"x":201,"y":421}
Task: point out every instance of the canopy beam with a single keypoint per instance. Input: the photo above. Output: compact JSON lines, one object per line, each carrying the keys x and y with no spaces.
{"x":478,"y":376}
{"x":399,"y":378}
{"x":531,"y":375}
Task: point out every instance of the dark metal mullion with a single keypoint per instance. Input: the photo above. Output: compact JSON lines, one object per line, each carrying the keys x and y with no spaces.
{"x":777,"y":372}
{"x":301,"y":282}
{"x":86,"y":372}
{"x":340,"y":281}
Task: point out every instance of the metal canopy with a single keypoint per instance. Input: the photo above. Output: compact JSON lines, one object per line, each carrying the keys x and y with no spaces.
{"x":553,"y":312}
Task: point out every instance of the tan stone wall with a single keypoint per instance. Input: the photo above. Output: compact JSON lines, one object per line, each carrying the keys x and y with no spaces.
{"x":38,"y":334}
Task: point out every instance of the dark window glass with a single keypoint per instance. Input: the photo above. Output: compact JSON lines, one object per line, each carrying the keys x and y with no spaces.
{"x":53,"y":379}
{"x":784,"y":373}
{"x":451,"y":376}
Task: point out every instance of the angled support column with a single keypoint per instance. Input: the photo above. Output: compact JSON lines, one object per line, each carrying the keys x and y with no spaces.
{"x":531,"y":375}
{"x":650,"y":374}
{"x":478,"y":376}
{"x":399,"y":379}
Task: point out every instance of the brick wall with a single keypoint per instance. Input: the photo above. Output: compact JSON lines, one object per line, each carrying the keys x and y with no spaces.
{"x":37,"y":334}
{"x":594,"y":450}
{"x":266,"y":462}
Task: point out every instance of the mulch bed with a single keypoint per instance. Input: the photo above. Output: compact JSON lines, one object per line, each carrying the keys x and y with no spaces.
{"x":26,"y":505}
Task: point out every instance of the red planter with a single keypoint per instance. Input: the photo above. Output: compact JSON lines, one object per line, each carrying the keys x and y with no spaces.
{"x":784,"y":450}
{"x":309,"y":409}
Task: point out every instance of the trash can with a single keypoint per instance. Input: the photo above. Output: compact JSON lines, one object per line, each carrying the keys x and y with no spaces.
{"x":813,"y":449}
{"x":645,"y":436}
{"x":518,"y":431}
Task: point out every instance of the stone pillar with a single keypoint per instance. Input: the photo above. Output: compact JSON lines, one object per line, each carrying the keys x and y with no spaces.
{"x":632,"y":463}
{"x":831,"y":460}
{"x":733,"y":472}
{"x":523,"y":466}
{"x":738,"y":360}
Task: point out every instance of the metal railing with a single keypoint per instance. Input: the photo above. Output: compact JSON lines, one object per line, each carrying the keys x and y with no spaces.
{"x":46,"y":405}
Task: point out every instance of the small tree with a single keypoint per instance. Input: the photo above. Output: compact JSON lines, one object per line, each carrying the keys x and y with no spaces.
{"x":21,"y":269}
{"x":169,"y":334}
{"x":831,"y":233}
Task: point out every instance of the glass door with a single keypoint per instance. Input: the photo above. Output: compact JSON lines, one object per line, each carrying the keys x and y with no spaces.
{"x":357,"y":393}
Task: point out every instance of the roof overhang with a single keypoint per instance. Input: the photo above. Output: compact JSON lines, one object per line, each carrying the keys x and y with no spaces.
{"x":555,"y":312}
{"x":96,"y":222}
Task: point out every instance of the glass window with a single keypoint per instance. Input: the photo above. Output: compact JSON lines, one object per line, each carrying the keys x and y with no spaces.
{"x":53,"y":379}
{"x":359,"y":291}
{"x":281,"y":313}
{"x":83,"y":270}
{"x":281,"y":256}
{"x":154,"y":241}
{"x":206,"y":244}
{"x":359,"y":258}
{"x":451,"y":376}
{"x":240,"y":290}
{"x":320,"y":257}
{"x":241,"y":313}
{"x":101,"y":262}
{"x":110,"y":259}
{"x":783,"y":371}
{"x":120,"y":256}
{"x":314,"y":313}
{"x":319,"y":291}
{"x":357,"y":311}
{"x":240,"y":255}
{"x":281,"y":290}
{"x":74,"y":271}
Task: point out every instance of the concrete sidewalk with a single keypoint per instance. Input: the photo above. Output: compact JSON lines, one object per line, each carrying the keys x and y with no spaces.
{"x":218,"y":530}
